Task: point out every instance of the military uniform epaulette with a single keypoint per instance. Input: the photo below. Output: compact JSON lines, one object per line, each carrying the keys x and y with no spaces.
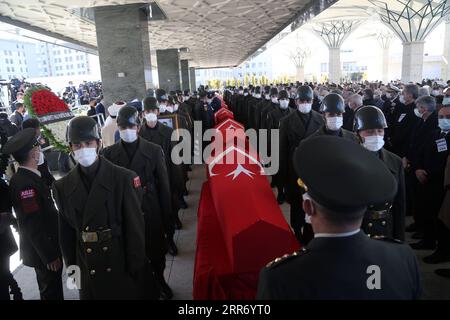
{"x":392,"y":240}
{"x":286,"y":257}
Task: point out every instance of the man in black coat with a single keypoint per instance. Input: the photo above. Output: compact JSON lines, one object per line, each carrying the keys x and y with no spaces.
{"x":160,"y":134}
{"x":269,"y":107}
{"x":146,"y":159}
{"x":404,"y":121}
{"x":293,"y":129}
{"x":341,"y":262}
{"x":253,"y":102}
{"x":36,"y":215}
{"x":101,"y":224}
{"x":273,"y":122}
{"x":429,"y":171}
{"x":266,"y":101}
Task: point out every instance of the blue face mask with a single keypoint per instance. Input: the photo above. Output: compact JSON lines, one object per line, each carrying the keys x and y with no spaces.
{"x":444,"y":124}
{"x":446,"y":101}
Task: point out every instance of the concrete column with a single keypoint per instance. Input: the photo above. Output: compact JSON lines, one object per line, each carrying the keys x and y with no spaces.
{"x":385,"y":65}
{"x":184,"y":64}
{"x":445,"y":73}
{"x":168,"y":69}
{"x":412,"y":61}
{"x":334,"y":65}
{"x":124,"y":52}
{"x":193,"y":84}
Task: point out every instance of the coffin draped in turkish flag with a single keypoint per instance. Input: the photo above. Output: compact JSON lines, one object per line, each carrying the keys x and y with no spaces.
{"x":222,"y":115}
{"x":254,"y":229}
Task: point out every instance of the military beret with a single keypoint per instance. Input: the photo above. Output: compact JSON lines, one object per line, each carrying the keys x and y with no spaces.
{"x":21,"y":143}
{"x":341,"y":175}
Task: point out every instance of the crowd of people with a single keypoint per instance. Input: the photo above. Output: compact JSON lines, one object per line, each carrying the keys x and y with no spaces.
{"x":117,"y":209}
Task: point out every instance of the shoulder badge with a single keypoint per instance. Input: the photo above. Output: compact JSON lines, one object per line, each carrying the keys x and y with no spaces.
{"x":392,"y":240}
{"x":137,"y":182}
{"x":286,"y":257}
{"x":28,"y":201}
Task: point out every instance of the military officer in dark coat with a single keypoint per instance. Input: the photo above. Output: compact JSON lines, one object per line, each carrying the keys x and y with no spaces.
{"x":36,"y":215}
{"x":293,"y":129}
{"x":386,"y":220}
{"x":266,"y":101}
{"x":252,"y":103}
{"x":269,"y":107}
{"x":273,"y":122}
{"x":341,"y":262}
{"x":160,"y":134}
{"x":146,"y":159}
{"x":101,"y":221}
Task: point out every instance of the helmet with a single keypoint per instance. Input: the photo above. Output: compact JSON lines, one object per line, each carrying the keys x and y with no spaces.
{"x":305,"y":93}
{"x":82,"y":128}
{"x":128,"y":117}
{"x":333,"y":103}
{"x":369,"y":117}
{"x":283,"y":95}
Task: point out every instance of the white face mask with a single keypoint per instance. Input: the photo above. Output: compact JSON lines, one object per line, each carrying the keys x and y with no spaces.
{"x":186,"y":98}
{"x":284,"y":104}
{"x":41,"y":158}
{"x":151,"y":117}
{"x":241,"y":92}
{"x":417,"y":113}
{"x":373,"y":143}
{"x":402,"y":99}
{"x":162,"y":108}
{"x":444,"y":124}
{"x":435,"y":92}
{"x":175,"y":107}
{"x":304,"y":107}
{"x":85,"y":156}
{"x":274,"y":100}
{"x":446,"y":101}
{"x":320,"y":98}
{"x":169,"y":109}
{"x":267,"y":97}
{"x":128,"y":135}
{"x":209,"y":101}
{"x":258,"y":96}
{"x":335,"y":123}
{"x":245,"y":94}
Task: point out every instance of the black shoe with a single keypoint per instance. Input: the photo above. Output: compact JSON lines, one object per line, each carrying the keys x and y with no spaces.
{"x":411,"y":228}
{"x":165,"y":291}
{"x":443,"y":273}
{"x":423,"y":245}
{"x":173,"y":250}
{"x":418,"y":235}
{"x":437,"y":257}
{"x":281,"y":198}
{"x":178,"y":225}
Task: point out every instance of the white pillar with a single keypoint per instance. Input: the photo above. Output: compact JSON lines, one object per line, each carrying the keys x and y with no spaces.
{"x":445,"y":72}
{"x":300,"y":74}
{"x":412,"y":61}
{"x":334,"y":65}
{"x":385,"y":65}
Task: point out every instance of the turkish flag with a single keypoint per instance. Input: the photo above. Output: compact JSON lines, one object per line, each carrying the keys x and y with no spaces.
{"x":222,"y":115}
{"x":253,"y":226}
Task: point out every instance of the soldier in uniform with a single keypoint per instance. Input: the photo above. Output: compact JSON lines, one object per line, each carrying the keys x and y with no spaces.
{"x":252,"y":103}
{"x":293,"y":129}
{"x":259,"y":107}
{"x":385,"y":220}
{"x":333,"y":109}
{"x":339,"y":262}
{"x":273,"y":122}
{"x":36,"y":215}
{"x":273,"y":105}
{"x":101,"y":221}
{"x":160,"y":134}
{"x":146,"y":159}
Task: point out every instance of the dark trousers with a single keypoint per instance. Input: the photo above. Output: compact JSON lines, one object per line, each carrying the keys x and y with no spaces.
{"x":443,"y":237}
{"x":4,"y":278}
{"x":302,"y":230}
{"x":50,"y":284}
{"x":411,"y":197}
{"x":432,"y":195}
